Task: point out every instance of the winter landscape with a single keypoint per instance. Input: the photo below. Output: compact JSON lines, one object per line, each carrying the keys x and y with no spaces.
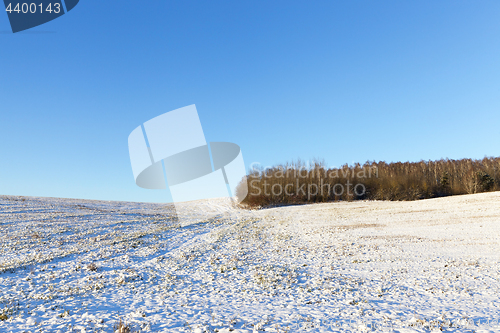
{"x":101,"y":266}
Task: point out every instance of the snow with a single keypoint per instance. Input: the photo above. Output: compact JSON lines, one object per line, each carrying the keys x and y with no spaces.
{"x":80,"y":266}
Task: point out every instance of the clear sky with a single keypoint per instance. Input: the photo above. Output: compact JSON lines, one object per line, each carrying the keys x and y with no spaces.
{"x":347,"y":81}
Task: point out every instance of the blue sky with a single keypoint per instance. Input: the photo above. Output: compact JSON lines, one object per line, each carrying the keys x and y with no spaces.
{"x":346,"y":81}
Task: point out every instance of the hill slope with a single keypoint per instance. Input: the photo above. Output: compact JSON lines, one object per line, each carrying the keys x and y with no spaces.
{"x":79,"y":265}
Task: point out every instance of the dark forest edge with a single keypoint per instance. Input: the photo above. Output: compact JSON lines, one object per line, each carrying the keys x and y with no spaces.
{"x":300,"y":183}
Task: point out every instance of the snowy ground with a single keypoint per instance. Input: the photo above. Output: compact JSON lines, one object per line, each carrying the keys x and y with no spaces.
{"x":81,"y":266}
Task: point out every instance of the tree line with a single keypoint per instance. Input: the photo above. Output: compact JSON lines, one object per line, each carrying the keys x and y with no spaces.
{"x":301,"y":183}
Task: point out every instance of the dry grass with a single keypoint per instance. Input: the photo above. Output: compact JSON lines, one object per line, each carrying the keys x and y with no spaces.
{"x":122,"y":327}
{"x":92,"y":267}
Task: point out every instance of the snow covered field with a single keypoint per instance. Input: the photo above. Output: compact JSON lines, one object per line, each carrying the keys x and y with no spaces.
{"x":81,"y":266}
